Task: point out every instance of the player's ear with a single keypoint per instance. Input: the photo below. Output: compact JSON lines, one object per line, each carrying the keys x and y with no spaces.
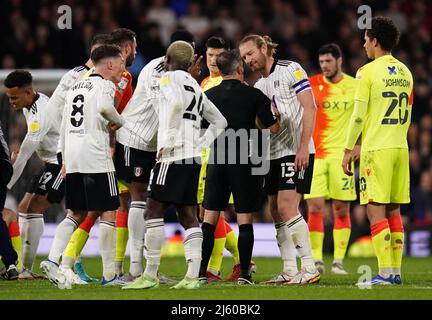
{"x":264,"y":48}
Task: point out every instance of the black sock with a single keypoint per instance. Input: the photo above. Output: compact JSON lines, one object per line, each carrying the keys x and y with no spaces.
{"x":207,"y":246}
{"x":7,"y":252}
{"x":245,"y":246}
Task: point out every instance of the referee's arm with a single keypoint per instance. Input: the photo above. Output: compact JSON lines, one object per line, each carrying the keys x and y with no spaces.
{"x":265,"y":118}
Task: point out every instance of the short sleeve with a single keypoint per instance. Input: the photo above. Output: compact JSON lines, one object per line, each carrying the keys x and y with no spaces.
{"x":297,"y":78}
{"x":363,"y":85}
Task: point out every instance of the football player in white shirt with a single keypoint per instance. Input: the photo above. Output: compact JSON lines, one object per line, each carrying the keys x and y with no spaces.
{"x":57,"y":100}
{"x":174,"y":179}
{"x":291,"y":153}
{"x":91,"y":184}
{"x":135,"y":153}
{"x":55,"y":107}
{"x":47,"y":187}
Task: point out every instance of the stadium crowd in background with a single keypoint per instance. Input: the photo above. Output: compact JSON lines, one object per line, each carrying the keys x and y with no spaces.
{"x":300,"y":28}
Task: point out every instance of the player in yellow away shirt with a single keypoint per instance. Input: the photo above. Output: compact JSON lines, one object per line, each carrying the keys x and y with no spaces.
{"x":334,"y":96}
{"x":382,"y":114}
{"x":224,"y":235}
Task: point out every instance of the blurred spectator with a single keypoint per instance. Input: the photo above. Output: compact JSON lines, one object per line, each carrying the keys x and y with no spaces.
{"x":196,"y":23}
{"x":421,"y":201}
{"x":164,"y":17}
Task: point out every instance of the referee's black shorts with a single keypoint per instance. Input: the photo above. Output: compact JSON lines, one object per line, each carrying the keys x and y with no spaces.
{"x":222,"y":179}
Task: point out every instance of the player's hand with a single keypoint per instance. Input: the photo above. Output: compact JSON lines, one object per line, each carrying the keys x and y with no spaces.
{"x":356,"y":152}
{"x":112,"y":151}
{"x":301,"y":161}
{"x":163,"y":151}
{"x":195,"y":68}
{"x":113,"y":126}
{"x":201,"y":213}
{"x":14,"y":156}
{"x":63,"y":171}
{"x":347,"y":162}
{"x":276,"y":112}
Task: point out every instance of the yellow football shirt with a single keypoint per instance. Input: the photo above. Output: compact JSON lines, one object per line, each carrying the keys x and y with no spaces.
{"x":211,"y":82}
{"x":386,"y":86}
{"x":335,"y":102}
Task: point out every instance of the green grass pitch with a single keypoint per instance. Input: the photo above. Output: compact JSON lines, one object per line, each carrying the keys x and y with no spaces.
{"x":417,"y":275}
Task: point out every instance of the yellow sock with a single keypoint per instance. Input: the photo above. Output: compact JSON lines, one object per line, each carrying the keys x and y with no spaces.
{"x":215,"y":261}
{"x":316,"y":234}
{"x":16,"y":243}
{"x":381,"y":240}
{"x":397,"y":241}
{"x":231,"y":244}
{"x":341,"y":235}
{"x":15,"y":236}
{"x":76,"y":244}
{"x":121,"y":243}
{"x":316,"y":240}
{"x":341,"y":240}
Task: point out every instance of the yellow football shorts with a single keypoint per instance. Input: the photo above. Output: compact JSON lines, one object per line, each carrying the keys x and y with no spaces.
{"x":384,"y":176}
{"x":205,"y":153}
{"x":122,"y":186}
{"x":330,"y":182}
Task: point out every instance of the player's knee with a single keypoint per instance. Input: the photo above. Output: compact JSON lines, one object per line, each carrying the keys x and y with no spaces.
{"x":188,"y":221}
{"x":340,"y":209}
{"x":8,"y":216}
{"x":36,"y":205}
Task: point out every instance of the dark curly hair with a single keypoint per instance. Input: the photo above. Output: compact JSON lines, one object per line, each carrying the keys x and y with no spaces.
{"x":18,"y":78}
{"x":384,"y":30}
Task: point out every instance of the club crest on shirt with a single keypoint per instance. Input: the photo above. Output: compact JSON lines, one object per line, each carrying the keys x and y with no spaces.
{"x":123,"y":83}
{"x":138,"y":171}
{"x":33,"y":126}
{"x":298,"y":74}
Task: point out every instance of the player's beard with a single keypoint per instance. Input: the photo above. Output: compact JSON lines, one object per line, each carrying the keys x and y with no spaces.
{"x":129,"y":60}
{"x":260,"y":63}
{"x":333,"y":75}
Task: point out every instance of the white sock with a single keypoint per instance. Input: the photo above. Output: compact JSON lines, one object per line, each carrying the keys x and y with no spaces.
{"x":107,"y":248}
{"x":287,"y":248}
{"x":193,"y":248}
{"x":154,"y":239}
{"x":137,"y":229}
{"x":33,"y":229}
{"x":300,"y":235}
{"x":62,"y":235}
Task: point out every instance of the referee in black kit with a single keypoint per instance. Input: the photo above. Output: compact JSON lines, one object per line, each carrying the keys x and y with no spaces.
{"x":7,"y":252}
{"x":241,"y":105}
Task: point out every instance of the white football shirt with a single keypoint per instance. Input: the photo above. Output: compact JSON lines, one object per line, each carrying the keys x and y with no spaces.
{"x":56,"y":102}
{"x":285,"y":81}
{"x":85,"y":136}
{"x":39,"y":129}
{"x":140,"y":112}
{"x":180,"y":111}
